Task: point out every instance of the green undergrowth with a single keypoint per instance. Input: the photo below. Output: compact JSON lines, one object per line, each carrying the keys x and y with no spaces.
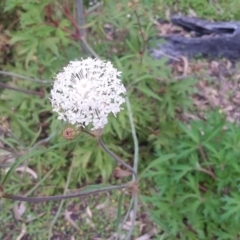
{"x":220,"y":10}
{"x":196,"y":189}
{"x":87,"y":218}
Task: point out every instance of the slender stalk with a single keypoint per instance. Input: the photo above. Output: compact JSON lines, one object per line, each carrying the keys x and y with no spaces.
{"x":135,"y":166}
{"x":135,"y":208}
{"x":21,"y":90}
{"x":39,"y":183}
{"x":32,"y":189}
{"x":125,"y":218}
{"x":62,"y":201}
{"x":90,"y":49}
{"x":210,"y":173}
{"x":44,"y":141}
{"x":134,"y":199}
{"x":135,"y":140}
{"x":81,"y":25}
{"x":25,"y":77}
{"x":117,"y":159}
{"x":93,"y":8}
{"x":59,"y":197}
{"x":142,"y":35}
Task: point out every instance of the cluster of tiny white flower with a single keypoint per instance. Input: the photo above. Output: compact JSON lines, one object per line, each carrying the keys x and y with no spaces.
{"x":86,"y":91}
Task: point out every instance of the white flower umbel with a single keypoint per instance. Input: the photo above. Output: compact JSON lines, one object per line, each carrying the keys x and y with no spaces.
{"x":86,"y":92}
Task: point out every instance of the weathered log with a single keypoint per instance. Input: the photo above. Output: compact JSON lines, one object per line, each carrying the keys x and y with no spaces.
{"x":211,"y":39}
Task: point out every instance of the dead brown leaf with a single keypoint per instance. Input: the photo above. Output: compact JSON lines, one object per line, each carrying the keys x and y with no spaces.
{"x":120,"y":173}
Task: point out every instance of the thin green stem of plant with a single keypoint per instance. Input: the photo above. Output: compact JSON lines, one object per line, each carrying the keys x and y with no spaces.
{"x":3,"y":85}
{"x":93,"y":8}
{"x":135,"y":165}
{"x":39,"y":183}
{"x":90,"y":49}
{"x":154,"y":215}
{"x":135,"y":140}
{"x":18,"y":141}
{"x":135,"y":208}
{"x":36,"y":186}
{"x":142,"y":35}
{"x":81,"y":25}
{"x":118,"y":160}
{"x":44,"y":141}
{"x":62,"y":201}
{"x":125,"y":218}
{"x":25,"y":77}
{"x":60,"y":197}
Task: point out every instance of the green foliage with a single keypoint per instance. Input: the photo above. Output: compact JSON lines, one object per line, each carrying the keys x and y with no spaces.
{"x":217,"y":10}
{"x":197,"y":184}
{"x":197,"y":187}
{"x":42,"y":43}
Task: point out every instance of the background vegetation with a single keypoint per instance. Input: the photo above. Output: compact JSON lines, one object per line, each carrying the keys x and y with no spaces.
{"x":189,"y":169}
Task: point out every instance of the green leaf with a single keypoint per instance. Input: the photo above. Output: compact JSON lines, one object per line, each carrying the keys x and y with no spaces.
{"x":33,"y":154}
{"x":117,"y":127}
{"x":119,"y":210}
{"x":52,"y":45}
{"x":155,"y":216}
{"x":145,"y":89}
{"x":157,"y":162}
{"x":190,"y":132}
{"x":141,"y":78}
{"x":36,"y":136}
{"x":183,"y":170}
{"x":215,"y":132}
{"x":131,"y":46}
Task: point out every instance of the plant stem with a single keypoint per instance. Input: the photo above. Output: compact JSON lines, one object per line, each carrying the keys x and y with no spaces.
{"x":60,"y":197}
{"x":89,"y":48}
{"x":135,"y":208}
{"x":21,"y":90}
{"x":62,"y":201}
{"x":142,"y":35}
{"x":117,"y":159}
{"x":93,"y":8}
{"x":135,"y":140}
{"x":39,"y":183}
{"x":125,"y":218}
{"x":25,"y":77}
{"x":81,"y":25}
{"x":210,"y":173}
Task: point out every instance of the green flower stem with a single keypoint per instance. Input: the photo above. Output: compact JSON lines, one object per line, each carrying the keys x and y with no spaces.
{"x":118,"y":160}
{"x":62,"y":201}
{"x":81,"y":24}
{"x":90,"y":48}
{"x":135,"y":165}
{"x":39,"y":183}
{"x":135,"y":208}
{"x":125,"y":218}
{"x":21,"y":90}
{"x":60,"y":197}
{"x":93,"y":8}
{"x":135,"y":140}
{"x":25,"y":77}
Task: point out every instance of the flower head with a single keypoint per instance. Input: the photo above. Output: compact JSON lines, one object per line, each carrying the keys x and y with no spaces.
{"x":86,"y":91}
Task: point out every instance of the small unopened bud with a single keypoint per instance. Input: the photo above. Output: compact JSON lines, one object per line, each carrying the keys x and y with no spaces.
{"x":69,"y":133}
